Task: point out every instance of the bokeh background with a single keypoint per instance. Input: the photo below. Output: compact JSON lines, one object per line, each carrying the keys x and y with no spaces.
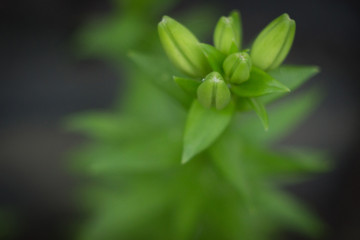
{"x":42,"y":81}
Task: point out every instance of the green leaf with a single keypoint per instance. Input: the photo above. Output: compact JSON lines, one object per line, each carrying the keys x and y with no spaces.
{"x":112,"y":37}
{"x":203,"y":127}
{"x":260,"y":83}
{"x":145,"y":154}
{"x":260,"y":111}
{"x":187,"y":215}
{"x":282,"y":118}
{"x":107,"y":126}
{"x":119,"y":213}
{"x":214,"y":56}
{"x":148,"y":103}
{"x":227,"y":154}
{"x":160,"y":73}
{"x":188,"y":85}
{"x":287,"y":212}
{"x":288,"y":162}
{"x":293,"y":76}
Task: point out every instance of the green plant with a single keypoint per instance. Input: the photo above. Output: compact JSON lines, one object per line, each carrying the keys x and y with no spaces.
{"x":227,"y":186}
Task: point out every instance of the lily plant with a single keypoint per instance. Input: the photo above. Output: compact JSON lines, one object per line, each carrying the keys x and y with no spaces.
{"x":225,"y":78}
{"x":185,"y":157}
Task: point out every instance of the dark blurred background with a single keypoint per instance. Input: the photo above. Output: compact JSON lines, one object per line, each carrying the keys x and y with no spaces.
{"x":41,"y":82}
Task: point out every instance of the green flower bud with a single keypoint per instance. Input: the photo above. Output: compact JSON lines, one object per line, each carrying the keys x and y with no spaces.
{"x":183,"y":48}
{"x":237,"y":67}
{"x":214,"y":92}
{"x":227,"y":34}
{"x":273,"y":43}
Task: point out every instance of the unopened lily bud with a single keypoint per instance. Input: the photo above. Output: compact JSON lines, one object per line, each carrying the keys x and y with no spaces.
{"x":227,"y":34}
{"x":273,"y":43}
{"x":237,"y":67}
{"x":183,"y":48}
{"x":214,"y":92}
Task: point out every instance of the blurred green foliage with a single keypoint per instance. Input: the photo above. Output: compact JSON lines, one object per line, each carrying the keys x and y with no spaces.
{"x":139,"y":189}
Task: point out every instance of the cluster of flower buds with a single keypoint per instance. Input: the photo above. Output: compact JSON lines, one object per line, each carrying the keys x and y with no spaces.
{"x":217,"y":68}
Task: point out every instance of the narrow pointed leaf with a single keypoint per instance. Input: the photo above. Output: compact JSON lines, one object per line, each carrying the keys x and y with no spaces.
{"x":117,"y":213}
{"x":160,"y":74}
{"x":106,"y":126}
{"x":214,"y":57}
{"x":112,"y":37}
{"x":188,"y":85}
{"x":227,"y":154}
{"x":187,"y":215}
{"x":203,"y":127}
{"x":260,"y":111}
{"x":288,"y":162}
{"x":283,"y":118}
{"x":260,"y":83}
{"x":293,"y":76}
{"x":284,"y":210}
{"x":133,"y":155}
